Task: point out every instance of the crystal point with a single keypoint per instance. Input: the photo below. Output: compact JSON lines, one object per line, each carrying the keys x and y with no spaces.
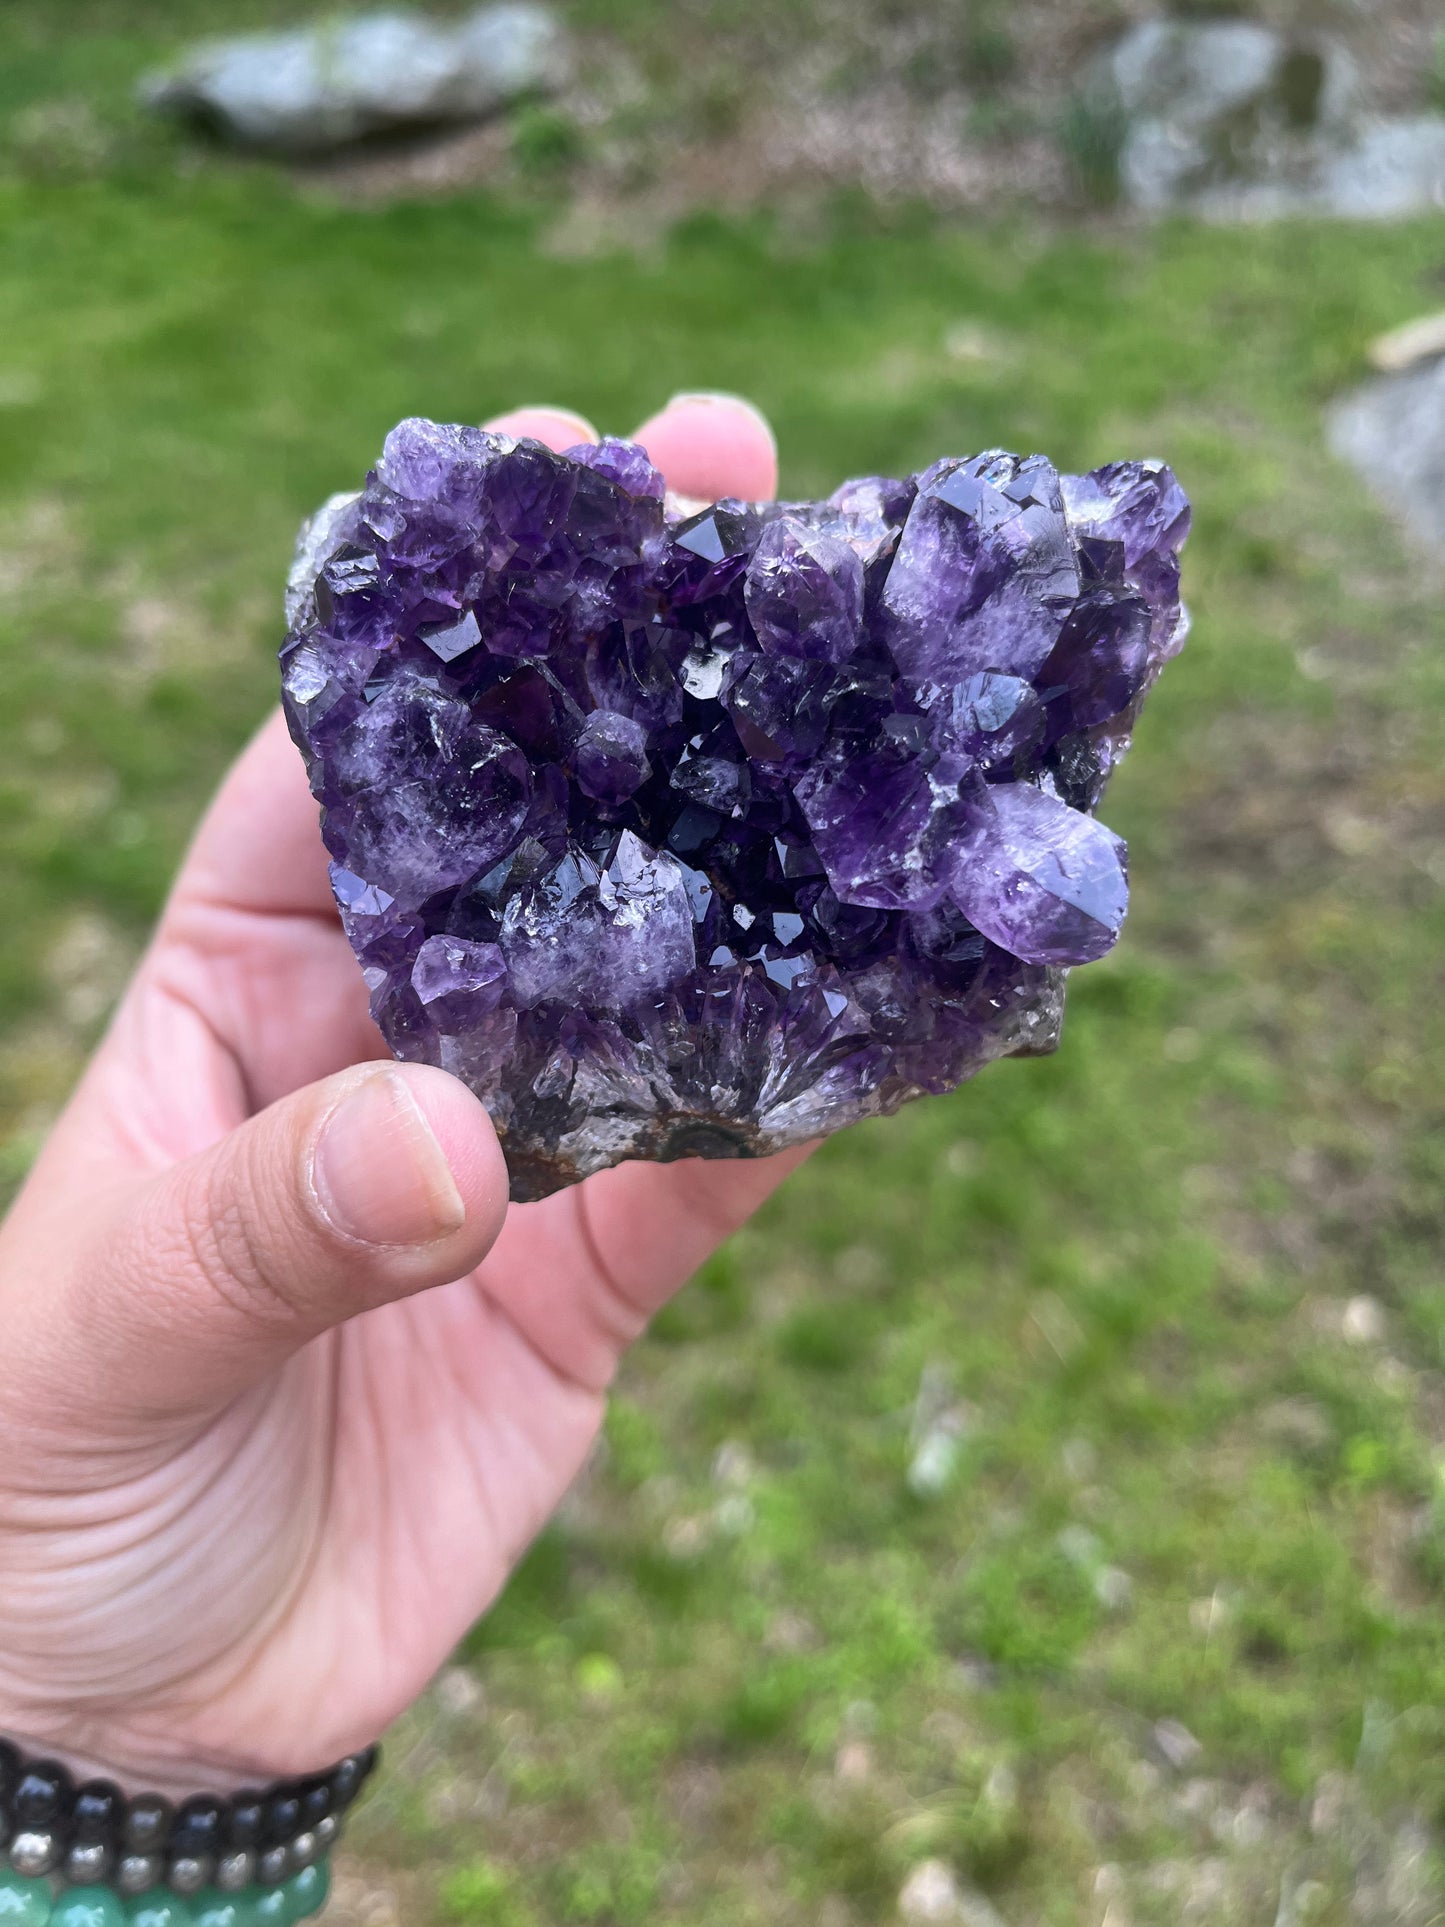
{"x":704,"y":834}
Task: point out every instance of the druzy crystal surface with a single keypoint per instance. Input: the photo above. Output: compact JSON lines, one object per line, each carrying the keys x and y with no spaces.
{"x":704,"y":831}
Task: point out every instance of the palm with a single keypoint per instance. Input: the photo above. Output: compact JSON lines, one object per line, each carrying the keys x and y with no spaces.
{"x":425,"y":1443}
{"x":349,"y":1515}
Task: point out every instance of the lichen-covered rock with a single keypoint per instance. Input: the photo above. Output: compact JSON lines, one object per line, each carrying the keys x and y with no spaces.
{"x":316,"y":88}
{"x":1211,"y":105}
{"x":1391,"y":432}
{"x":708,"y":833}
{"x":1235,"y":120}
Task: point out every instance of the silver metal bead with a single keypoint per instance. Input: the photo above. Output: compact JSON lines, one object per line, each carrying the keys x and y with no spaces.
{"x":273,"y":1866}
{"x":303,"y":1850}
{"x":188,"y":1874}
{"x":34,"y":1854}
{"x":138,"y":1873}
{"x":328,"y":1832}
{"x":87,"y":1862}
{"x":235,"y":1872}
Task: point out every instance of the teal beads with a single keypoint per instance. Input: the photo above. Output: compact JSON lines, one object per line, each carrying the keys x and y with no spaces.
{"x":308,"y":1891}
{"x":223,"y":1910}
{"x":28,"y":1903}
{"x":210,"y":1909}
{"x":298,"y":1899}
{"x":88,"y":1907}
{"x":159,"y":1909}
{"x":24,"y":1903}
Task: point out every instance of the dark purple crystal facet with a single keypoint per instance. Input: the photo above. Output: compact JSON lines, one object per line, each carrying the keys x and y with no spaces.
{"x":684,"y":833}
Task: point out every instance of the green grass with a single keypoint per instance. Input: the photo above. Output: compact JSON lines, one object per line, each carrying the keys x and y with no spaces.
{"x":756,"y":1673}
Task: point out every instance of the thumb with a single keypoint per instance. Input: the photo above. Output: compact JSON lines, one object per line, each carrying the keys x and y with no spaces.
{"x":370,"y":1186}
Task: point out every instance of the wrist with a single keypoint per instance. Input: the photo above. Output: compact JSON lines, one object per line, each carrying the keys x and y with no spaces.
{"x":129,"y":1763}
{"x":165,"y":1751}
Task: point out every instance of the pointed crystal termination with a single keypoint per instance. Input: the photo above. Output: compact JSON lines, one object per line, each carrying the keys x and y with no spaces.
{"x":706,"y":836}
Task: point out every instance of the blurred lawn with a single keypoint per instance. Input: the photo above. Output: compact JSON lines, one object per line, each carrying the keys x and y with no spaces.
{"x":1164,"y":1314}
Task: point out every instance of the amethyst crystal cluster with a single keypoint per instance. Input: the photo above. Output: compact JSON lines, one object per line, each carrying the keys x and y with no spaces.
{"x":703,"y":832}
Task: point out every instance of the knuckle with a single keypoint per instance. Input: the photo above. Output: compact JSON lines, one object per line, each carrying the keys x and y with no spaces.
{"x":231,"y":1258}
{"x":251,"y":1241}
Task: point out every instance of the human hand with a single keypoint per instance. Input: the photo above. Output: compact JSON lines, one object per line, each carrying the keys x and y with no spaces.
{"x":288,"y":1388}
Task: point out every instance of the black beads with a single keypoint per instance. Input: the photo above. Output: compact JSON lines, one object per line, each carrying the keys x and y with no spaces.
{"x":147,"y":1827}
{"x":99,"y":1807}
{"x":349,"y":1777}
{"x":282,"y":1821}
{"x":246,"y":1820}
{"x":315,"y":1803}
{"x":42,"y":1795}
{"x":199,"y":1830}
{"x":93,"y":1834}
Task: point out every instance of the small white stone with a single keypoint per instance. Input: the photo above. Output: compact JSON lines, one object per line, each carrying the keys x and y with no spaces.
{"x":1114,"y":1589}
{"x":789,"y":1632}
{"x":1080,"y":1547}
{"x":1333,"y":1796}
{"x":458,"y":1691}
{"x":1248,"y":1826}
{"x":1177,"y":1744}
{"x":1363,"y":1321}
{"x":686,"y":1538}
{"x":970,"y":341}
{"x":933,"y":1461}
{"x":930,"y":1893}
{"x":735,"y":1515}
{"x":732,"y":1464}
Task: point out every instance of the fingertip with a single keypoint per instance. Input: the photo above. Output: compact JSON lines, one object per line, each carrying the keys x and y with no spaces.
{"x":464,"y":1131}
{"x":558,"y":428}
{"x":711,"y":445}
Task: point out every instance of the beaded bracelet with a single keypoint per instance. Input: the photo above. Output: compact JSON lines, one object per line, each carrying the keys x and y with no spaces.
{"x":89,"y":1857}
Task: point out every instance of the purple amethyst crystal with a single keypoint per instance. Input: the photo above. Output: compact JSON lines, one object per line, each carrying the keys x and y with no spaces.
{"x":705,"y":833}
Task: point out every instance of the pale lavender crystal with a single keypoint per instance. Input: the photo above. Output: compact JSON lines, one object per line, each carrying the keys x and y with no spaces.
{"x":804,"y":593}
{"x":710,"y":833}
{"x":600,"y":938}
{"x":881,"y":824}
{"x":1045,"y":882}
{"x":610,"y":759}
{"x":985,"y":571}
{"x":458,"y":981}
